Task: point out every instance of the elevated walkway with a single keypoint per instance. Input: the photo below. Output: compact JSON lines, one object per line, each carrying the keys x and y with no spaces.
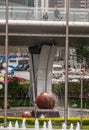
{"x":30,"y":33}
{"x":27,"y":27}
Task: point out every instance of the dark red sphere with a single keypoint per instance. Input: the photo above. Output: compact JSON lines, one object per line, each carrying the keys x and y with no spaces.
{"x":26,"y":114}
{"x":45,"y":101}
{"x":8,"y":106}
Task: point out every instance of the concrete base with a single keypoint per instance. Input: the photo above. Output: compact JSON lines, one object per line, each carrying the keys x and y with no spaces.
{"x":45,"y":113}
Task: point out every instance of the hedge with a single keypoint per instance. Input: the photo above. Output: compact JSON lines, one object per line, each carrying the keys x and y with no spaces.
{"x":56,"y":122}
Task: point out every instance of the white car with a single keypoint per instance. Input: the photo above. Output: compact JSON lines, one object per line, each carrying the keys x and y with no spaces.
{"x":71,"y":70}
{"x":10,"y":71}
{"x":75,"y":80}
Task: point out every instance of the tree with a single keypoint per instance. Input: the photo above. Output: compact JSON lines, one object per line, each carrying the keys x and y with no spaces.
{"x":82,"y":50}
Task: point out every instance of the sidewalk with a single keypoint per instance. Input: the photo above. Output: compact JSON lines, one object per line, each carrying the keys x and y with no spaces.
{"x":72,"y":112}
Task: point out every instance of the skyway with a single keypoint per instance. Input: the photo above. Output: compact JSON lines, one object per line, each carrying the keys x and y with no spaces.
{"x":27,"y":27}
{"x":33,"y":13}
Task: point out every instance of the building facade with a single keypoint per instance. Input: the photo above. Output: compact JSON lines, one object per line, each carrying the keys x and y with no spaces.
{"x":51,"y":3}
{"x":59,"y":3}
{"x":18,"y":2}
{"x":73,"y":3}
{"x":79,"y":3}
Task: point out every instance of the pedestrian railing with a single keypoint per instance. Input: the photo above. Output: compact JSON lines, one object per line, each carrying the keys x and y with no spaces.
{"x":34,"y":13}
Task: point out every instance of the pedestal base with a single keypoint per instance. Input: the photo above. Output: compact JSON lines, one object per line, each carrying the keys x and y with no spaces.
{"x":45,"y":113}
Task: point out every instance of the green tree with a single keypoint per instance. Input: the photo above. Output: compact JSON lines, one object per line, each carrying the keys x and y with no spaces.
{"x":82,"y":50}
{"x":74,"y":90}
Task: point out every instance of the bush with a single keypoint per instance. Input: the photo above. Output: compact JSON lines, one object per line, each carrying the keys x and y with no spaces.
{"x":15,"y":89}
{"x":74,"y":92}
{"x":56,"y":122}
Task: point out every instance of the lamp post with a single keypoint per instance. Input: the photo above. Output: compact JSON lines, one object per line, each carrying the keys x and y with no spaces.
{"x":81,"y":99}
{"x":66,"y":62}
{"x":81,"y":96}
{"x":6,"y":68}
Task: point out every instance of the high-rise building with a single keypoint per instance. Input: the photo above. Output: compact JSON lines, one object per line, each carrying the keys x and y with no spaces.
{"x":51,"y":3}
{"x":59,"y":3}
{"x":79,"y":3}
{"x":18,"y":2}
{"x":73,"y":3}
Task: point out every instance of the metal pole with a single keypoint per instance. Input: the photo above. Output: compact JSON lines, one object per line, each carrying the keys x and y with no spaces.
{"x":66,"y":62}
{"x":6,"y":69}
{"x":34,"y":80}
{"x":81,"y":99}
{"x":36,"y":5}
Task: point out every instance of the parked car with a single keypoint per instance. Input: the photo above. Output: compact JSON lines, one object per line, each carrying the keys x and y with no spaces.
{"x":18,"y":63}
{"x":17,"y":68}
{"x":10,"y":71}
{"x":26,"y":67}
{"x":71,"y":70}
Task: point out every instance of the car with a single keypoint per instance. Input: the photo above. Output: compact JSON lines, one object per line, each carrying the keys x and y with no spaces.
{"x":17,"y":68}
{"x":10,"y":71}
{"x":18,"y":63}
{"x":71,"y":70}
{"x":75,"y":80}
{"x":26,"y":67}
{"x":74,"y":105}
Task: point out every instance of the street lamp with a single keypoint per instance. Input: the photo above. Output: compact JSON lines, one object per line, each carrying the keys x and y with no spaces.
{"x":81,"y":96}
{"x":66,"y":62}
{"x":81,"y":100}
{"x":6,"y":68}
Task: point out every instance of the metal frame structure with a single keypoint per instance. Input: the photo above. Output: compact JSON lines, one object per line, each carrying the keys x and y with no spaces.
{"x":6,"y":68}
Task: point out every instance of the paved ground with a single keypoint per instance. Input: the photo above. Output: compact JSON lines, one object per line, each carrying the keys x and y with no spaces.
{"x":72,"y":112}
{"x":23,"y":74}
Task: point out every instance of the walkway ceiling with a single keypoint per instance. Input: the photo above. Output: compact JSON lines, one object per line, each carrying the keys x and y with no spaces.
{"x":30,"y":33}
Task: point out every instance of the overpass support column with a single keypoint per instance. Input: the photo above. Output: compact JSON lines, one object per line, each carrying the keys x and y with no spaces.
{"x":41,"y":69}
{"x":45,"y":69}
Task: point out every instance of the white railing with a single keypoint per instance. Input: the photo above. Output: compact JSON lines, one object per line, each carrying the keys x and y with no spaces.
{"x":32,"y":13}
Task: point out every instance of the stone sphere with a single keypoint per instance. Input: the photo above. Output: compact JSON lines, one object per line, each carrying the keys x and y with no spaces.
{"x":8,"y":106}
{"x":26,"y":114}
{"x":45,"y":101}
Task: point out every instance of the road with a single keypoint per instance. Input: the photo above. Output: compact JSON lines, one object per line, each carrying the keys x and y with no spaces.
{"x":23,"y":74}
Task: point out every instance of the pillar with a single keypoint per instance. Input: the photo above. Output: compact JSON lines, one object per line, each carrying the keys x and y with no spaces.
{"x":41,"y":70}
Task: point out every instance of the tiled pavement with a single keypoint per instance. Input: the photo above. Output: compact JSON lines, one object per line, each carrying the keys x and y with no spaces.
{"x":72,"y":112}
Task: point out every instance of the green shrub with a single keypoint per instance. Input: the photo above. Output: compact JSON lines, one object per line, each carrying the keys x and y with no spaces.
{"x":56,"y":122}
{"x":74,"y":92}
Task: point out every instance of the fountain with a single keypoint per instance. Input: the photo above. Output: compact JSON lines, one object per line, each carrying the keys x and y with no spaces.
{"x":78,"y":126}
{"x":71,"y":126}
{"x":16,"y":125}
{"x":36,"y":124}
{"x":44,"y":125}
{"x":10,"y":125}
{"x":1,"y":127}
{"x":24,"y":123}
{"x":64,"y":126}
{"x":45,"y":103}
{"x":49,"y":125}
